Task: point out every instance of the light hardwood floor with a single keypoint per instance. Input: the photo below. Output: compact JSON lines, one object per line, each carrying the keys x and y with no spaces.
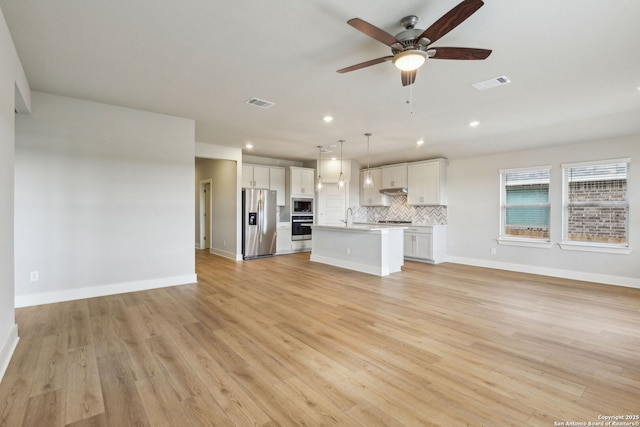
{"x":286,"y":342}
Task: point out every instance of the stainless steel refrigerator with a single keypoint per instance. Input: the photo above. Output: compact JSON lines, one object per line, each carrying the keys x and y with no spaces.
{"x":258,"y":222}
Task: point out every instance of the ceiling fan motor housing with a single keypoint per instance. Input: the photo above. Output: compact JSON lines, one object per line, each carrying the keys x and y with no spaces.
{"x":408,"y":39}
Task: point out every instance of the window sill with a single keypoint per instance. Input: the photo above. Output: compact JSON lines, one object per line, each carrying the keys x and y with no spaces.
{"x":589,"y":247}
{"x":529,"y":243}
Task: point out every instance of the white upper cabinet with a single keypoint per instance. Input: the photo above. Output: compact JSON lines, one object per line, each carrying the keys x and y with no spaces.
{"x":255,"y":176}
{"x":260,"y":176}
{"x":371,"y":196}
{"x":276,"y":182}
{"x":427,"y":182}
{"x":394,"y":176}
{"x":302,"y":181}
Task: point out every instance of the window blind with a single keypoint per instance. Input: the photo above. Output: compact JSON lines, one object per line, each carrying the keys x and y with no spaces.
{"x":525,"y":206}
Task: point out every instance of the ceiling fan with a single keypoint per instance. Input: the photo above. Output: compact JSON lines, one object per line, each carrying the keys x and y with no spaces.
{"x":411,"y":48}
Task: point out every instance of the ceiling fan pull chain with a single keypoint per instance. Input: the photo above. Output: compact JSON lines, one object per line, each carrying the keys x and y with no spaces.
{"x":410,"y":100}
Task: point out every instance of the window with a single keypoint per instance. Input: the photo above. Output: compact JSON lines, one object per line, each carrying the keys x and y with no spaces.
{"x":525,"y":204}
{"x":596,"y":204}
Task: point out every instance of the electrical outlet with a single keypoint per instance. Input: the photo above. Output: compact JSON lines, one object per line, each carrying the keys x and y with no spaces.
{"x":34,"y":276}
{"x":224,"y":243}
{"x":348,"y":251}
{"x":493,"y":251}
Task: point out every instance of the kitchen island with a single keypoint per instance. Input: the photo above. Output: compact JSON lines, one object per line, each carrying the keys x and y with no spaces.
{"x":373,"y":249}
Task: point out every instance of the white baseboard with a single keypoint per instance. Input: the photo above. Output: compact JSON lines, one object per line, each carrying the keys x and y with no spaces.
{"x":7,"y":349}
{"x":102,"y":290}
{"x":226,"y":254}
{"x":629,"y":282}
{"x":350,"y":265}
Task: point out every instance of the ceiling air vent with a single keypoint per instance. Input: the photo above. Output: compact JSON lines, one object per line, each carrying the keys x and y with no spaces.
{"x":491,"y":83}
{"x":260,"y":103}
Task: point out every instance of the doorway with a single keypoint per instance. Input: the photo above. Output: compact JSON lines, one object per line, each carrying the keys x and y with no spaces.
{"x":205,"y":214}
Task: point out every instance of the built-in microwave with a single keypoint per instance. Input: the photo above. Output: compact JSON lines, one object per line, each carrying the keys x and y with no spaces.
{"x":301,"y":206}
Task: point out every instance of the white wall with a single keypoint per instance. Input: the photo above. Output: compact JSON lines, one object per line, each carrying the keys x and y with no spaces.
{"x":104,"y":200}
{"x":473,"y":214}
{"x":14,"y":95}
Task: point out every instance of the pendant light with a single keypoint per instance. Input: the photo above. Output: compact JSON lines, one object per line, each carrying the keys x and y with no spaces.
{"x":368,"y":181}
{"x":319,"y":185}
{"x":341,"y":178}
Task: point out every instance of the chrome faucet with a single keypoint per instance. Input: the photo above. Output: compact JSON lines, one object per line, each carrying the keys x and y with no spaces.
{"x":349,"y":217}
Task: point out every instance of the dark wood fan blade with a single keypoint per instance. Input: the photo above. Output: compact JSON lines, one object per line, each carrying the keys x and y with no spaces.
{"x":451,"y":19}
{"x":408,"y":77}
{"x":372,"y":31}
{"x":365,"y":64}
{"x":460,"y":53}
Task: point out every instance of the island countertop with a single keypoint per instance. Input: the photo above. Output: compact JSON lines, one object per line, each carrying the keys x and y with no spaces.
{"x":360,"y":227}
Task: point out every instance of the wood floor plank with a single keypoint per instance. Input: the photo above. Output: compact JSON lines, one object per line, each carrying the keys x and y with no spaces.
{"x":161,"y":402}
{"x":122,"y":404}
{"x":99,"y":420}
{"x":83,"y":391}
{"x":143,"y":363}
{"x":105,"y":335}
{"x":211,"y":342}
{"x":283,"y":341}
{"x":182,"y":377}
{"x":145,"y":321}
{"x":14,"y":397}
{"x":46,"y":410}
{"x":239,"y":407}
{"x":204,"y":411}
{"x":49,"y":374}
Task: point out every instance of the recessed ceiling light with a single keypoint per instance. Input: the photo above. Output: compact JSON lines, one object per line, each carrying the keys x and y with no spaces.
{"x":249,"y":146}
{"x":328,"y":119}
{"x":420,"y":142}
{"x":474,"y":124}
{"x":334,"y":159}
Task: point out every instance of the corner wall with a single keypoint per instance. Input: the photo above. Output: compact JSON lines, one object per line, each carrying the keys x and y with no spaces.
{"x":473,"y":214}
{"x":211,"y":151}
{"x":224,"y":215}
{"x":104,"y":200}
{"x":14,"y":95}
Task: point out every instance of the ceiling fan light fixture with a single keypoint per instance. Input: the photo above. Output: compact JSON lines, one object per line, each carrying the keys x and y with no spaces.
{"x":410,"y":60}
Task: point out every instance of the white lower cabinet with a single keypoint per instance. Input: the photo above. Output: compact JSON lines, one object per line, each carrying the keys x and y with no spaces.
{"x":426,"y":243}
{"x":284,"y":244}
{"x":283,"y":239}
{"x":301,"y":245}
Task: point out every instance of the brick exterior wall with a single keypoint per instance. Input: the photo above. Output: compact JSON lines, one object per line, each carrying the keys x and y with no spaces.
{"x":595,"y":223}
{"x":528,"y":232}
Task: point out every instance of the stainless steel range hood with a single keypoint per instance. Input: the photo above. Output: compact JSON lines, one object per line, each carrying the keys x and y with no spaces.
{"x":398,"y":191}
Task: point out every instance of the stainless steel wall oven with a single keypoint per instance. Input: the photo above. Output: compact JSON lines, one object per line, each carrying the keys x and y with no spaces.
{"x":301,"y":227}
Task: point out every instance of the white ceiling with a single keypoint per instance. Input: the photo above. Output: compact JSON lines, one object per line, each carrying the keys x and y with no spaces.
{"x":574,"y":67}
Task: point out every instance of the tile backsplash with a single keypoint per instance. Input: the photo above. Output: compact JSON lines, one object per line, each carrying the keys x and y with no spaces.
{"x":400,"y":211}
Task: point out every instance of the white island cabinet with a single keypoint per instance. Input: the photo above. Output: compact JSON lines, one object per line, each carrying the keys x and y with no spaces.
{"x":426,"y":243}
{"x":371,"y":249}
